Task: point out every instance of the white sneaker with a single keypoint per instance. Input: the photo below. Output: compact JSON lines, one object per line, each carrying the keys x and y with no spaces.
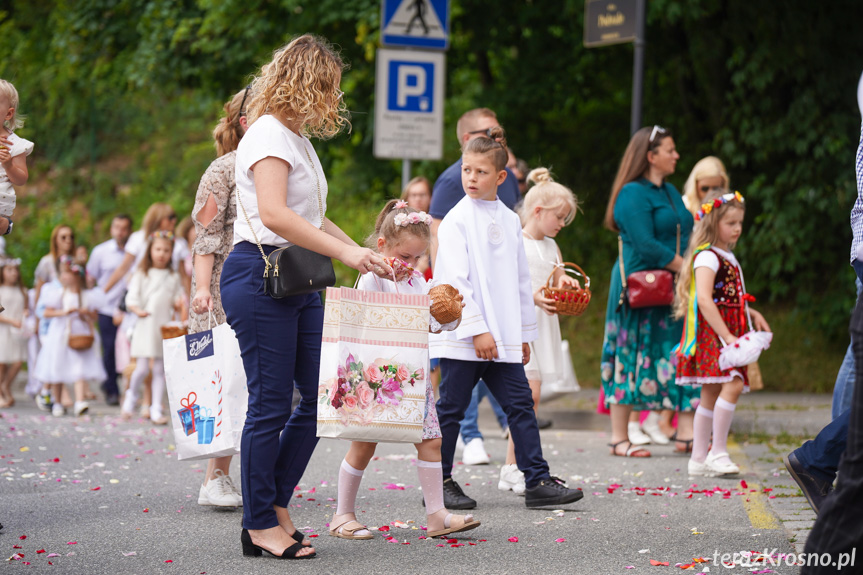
{"x":57,"y":410}
{"x":651,"y":428}
{"x":81,"y":407}
{"x":43,"y":401}
{"x":700,"y":469}
{"x":236,"y":490}
{"x":511,"y":478}
{"x":474,"y":453}
{"x":219,"y":492}
{"x":721,"y":464}
{"x":636,"y":436}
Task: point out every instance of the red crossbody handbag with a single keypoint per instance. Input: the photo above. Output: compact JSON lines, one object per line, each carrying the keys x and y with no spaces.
{"x":647,"y":288}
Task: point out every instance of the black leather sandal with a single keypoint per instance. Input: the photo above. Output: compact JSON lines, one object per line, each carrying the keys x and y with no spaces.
{"x":252,"y":550}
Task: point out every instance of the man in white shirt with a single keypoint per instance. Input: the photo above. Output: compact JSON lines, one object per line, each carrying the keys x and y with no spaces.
{"x":105,"y":258}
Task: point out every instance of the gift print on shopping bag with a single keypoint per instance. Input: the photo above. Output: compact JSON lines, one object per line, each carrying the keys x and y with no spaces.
{"x":189,"y":412}
{"x":373,"y":391}
{"x":206,"y":426}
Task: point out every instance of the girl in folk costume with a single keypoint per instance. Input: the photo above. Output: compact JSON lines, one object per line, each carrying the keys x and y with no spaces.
{"x":403,"y":234}
{"x":712,"y":297}
{"x":70,"y":349}
{"x":154,"y":294}
{"x":13,"y":340}
{"x":547,"y":208}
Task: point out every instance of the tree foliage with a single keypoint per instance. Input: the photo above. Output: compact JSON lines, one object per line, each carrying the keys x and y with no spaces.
{"x":121,"y":96}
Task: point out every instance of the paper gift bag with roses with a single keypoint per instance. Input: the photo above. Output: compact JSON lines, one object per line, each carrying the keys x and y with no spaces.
{"x":207,"y":392}
{"x":374,"y":364}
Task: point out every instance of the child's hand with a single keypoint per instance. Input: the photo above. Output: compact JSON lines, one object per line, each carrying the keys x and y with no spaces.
{"x":525,"y":353}
{"x":730,"y":340}
{"x":544,"y":303}
{"x":758,"y":321}
{"x":142,"y":313}
{"x":568,"y":282}
{"x":5,"y":154}
{"x":71,"y":310}
{"x":485,"y":346}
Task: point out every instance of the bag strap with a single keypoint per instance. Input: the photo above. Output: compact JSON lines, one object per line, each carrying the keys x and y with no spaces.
{"x":677,"y":216}
{"x":249,"y":222}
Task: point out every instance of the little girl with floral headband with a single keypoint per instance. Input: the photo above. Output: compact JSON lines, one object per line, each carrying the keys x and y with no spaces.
{"x":711,"y":296}
{"x":401,"y":235}
{"x":61,"y":361}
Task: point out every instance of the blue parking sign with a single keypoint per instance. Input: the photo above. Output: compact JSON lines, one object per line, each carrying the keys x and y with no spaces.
{"x":415,"y":23}
{"x":411,"y":87}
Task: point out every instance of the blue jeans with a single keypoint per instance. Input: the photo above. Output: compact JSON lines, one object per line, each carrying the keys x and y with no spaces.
{"x":509,"y":385}
{"x":280,"y":342}
{"x":843,"y":390}
{"x":469,"y":425}
{"x":821,"y":455}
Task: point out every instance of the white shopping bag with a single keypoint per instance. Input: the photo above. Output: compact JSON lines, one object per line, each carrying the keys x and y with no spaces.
{"x":374,"y":358}
{"x":207,"y":393}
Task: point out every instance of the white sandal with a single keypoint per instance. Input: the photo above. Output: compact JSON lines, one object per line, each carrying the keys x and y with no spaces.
{"x":343,"y":532}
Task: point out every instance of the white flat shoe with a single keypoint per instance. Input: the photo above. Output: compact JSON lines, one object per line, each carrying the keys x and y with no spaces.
{"x":511,"y":479}
{"x":636,"y":436}
{"x":726,"y":467}
{"x":651,"y":428}
{"x":700,"y":469}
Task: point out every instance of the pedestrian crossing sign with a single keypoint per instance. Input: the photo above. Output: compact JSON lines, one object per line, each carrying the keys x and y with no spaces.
{"x":415,"y":23}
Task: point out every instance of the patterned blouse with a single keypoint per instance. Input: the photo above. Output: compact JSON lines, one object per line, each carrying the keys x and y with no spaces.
{"x":217,"y":238}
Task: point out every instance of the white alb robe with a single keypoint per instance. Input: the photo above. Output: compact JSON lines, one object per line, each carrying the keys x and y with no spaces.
{"x":493,"y":279}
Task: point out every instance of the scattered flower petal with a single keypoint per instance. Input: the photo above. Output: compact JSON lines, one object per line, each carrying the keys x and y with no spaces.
{"x":513,"y":539}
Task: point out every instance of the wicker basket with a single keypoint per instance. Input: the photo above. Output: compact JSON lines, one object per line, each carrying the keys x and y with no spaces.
{"x":568,"y":301}
{"x":174,"y":329}
{"x":445,"y":307}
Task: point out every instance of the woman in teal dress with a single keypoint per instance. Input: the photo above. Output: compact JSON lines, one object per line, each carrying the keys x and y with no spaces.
{"x":647,"y":212}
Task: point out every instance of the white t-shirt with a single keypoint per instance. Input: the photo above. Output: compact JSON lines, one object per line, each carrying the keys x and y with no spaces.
{"x":137,"y":242}
{"x":268,"y":137}
{"x":708,"y":259}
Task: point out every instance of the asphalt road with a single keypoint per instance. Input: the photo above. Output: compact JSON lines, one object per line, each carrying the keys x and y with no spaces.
{"x":100,"y":495}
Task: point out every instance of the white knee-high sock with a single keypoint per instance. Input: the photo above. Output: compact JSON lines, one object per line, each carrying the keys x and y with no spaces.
{"x":723,"y":415}
{"x":349,"y":484}
{"x":158,"y":387}
{"x":431,"y":480}
{"x":136,"y":380}
{"x":702,"y":424}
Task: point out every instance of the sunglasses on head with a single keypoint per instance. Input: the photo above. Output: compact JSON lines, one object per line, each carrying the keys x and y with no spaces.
{"x":706,"y":189}
{"x":657,"y":130}
{"x":486,"y":132}
{"x":172,"y":217}
{"x":243,"y":103}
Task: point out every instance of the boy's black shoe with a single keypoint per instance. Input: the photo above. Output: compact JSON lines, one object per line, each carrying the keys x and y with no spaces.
{"x":550,"y":492}
{"x":454,"y":497}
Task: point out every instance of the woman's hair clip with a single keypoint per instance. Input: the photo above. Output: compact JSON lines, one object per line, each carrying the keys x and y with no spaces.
{"x":164,"y":234}
{"x":400,"y":205}
{"x":725,"y":198}
{"x":403,"y":220}
{"x":71,"y":263}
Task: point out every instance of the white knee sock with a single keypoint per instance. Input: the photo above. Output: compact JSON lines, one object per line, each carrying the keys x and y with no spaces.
{"x":431,"y":480}
{"x":349,"y":483}
{"x":158,"y":388}
{"x":724,"y":414}
{"x":142,"y":367}
{"x":701,"y":427}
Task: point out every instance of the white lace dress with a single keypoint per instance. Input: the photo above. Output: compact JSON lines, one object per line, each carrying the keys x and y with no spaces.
{"x":546,"y":354}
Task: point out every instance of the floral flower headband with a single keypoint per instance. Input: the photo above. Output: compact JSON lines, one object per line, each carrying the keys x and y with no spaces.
{"x":413,"y":218}
{"x":708,"y":207}
{"x":162,"y":234}
{"x":10,"y":261}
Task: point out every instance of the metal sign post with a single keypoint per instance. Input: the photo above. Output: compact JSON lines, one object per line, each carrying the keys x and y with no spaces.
{"x":609,"y":22}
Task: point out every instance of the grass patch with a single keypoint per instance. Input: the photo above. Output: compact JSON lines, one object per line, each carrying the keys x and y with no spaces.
{"x":761,"y":438}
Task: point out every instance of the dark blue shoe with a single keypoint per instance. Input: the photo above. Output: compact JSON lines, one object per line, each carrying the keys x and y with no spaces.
{"x":815,"y":489}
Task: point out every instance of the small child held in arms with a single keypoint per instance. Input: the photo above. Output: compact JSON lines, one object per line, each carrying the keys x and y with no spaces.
{"x":481,"y":254}
{"x":13,"y":154}
{"x":711,"y":295}
{"x":401,"y":233}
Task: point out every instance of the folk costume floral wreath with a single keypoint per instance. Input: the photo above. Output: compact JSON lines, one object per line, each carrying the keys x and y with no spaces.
{"x":403,"y":220}
{"x":164,"y":234}
{"x":708,"y":207}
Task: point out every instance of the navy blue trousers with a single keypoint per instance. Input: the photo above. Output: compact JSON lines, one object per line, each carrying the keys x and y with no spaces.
{"x":280,"y":341}
{"x":509,"y":386}
{"x":821,"y":455}
{"x":108,"y":333}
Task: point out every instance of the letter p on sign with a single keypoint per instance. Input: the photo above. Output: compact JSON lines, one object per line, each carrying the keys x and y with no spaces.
{"x":411,"y":87}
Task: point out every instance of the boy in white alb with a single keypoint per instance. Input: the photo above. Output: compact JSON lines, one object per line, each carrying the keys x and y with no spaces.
{"x":480,"y":253}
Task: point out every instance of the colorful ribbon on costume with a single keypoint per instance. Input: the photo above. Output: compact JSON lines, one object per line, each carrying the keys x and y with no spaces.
{"x":690,"y":321}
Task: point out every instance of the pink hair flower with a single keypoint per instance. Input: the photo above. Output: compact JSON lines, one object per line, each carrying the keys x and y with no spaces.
{"x":401,"y":204}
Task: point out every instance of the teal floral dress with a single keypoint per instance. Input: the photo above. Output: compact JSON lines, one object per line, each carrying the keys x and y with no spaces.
{"x":636,"y":362}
